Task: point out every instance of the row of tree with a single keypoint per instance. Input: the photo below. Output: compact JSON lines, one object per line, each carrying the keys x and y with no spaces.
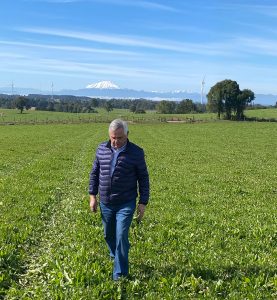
{"x":87,"y":105}
{"x":73,"y":104}
{"x":183,"y":107}
{"x":224,"y":98}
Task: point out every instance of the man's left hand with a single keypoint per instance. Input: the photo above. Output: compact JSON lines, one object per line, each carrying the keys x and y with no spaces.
{"x":140,"y":211}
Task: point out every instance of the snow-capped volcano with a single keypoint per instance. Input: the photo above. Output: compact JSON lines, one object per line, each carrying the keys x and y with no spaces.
{"x":103,"y":85}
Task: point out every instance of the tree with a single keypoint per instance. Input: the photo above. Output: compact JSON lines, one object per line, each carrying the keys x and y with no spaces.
{"x":133,"y":108}
{"x":50,"y":106}
{"x":21,"y":102}
{"x":166,"y":107}
{"x":245,"y":97}
{"x":230,"y":90}
{"x":215,"y":100}
{"x":225,"y":96}
{"x":94,"y":102}
{"x":42,"y":104}
{"x":185,"y":106}
{"x":108,"y":106}
{"x":200,"y":107}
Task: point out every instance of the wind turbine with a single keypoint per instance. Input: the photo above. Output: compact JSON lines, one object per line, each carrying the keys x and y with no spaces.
{"x":202,"y":88}
{"x":52,"y":85}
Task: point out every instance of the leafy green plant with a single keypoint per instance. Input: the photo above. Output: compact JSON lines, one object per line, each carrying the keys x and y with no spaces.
{"x":209,"y":230}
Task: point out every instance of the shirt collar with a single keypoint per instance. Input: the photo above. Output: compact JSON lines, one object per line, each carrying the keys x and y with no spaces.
{"x":119,"y":149}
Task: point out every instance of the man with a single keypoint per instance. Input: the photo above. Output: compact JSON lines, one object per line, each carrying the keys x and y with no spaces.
{"x":119,"y":172}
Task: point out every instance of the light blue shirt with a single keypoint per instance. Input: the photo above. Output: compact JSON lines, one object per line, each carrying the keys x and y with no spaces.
{"x":115,"y":156}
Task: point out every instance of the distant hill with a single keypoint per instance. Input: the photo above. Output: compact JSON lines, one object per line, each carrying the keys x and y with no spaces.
{"x":265,"y":99}
{"x":130,"y":94}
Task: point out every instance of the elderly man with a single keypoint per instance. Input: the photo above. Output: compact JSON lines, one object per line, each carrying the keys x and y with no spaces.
{"x":119,"y":172}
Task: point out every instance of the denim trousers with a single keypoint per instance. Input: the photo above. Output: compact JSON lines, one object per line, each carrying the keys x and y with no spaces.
{"x":117,"y":219}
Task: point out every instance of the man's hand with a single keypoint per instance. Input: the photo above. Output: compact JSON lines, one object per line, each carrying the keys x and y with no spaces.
{"x":140,"y":211}
{"x":93,"y":203}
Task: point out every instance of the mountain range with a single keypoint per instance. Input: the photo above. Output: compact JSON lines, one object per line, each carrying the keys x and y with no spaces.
{"x":108,"y":89}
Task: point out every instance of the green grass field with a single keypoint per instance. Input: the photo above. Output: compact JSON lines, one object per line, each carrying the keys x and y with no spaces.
{"x":37,"y":117}
{"x":209,"y":229}
{"x":14,"y":116}
{"x":262,"y":113}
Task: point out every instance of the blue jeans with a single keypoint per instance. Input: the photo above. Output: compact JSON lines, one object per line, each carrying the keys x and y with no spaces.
{"x":116,"y":221}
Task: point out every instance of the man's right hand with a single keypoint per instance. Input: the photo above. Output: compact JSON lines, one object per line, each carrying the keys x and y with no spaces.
{"x":93,"y":203}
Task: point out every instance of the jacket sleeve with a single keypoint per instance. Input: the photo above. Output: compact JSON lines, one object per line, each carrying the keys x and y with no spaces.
{"x":143,"y":180}
{"x":94,"y":177}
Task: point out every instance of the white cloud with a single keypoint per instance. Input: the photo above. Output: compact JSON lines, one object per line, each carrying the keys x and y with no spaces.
{"x":143,"y":42}
{"x":258,"y":46}
{"x":72,"y":68}
{"x":56,"y":1}
{"x":69,"y":48}
{"x":136,"y":3}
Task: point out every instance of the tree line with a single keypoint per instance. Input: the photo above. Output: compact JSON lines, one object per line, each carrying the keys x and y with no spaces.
{"x":74,"y":104}
{"x":224,"y":98}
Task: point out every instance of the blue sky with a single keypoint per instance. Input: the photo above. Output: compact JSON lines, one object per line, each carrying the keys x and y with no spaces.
{"x":138,"y":44}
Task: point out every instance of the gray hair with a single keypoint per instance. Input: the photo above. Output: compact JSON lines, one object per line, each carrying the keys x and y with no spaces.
{"x":118,"y":123}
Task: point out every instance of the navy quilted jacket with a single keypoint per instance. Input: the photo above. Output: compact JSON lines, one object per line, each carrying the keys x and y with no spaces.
{"x":130,"y":175}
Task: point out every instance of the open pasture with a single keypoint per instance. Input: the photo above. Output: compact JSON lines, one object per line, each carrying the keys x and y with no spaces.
{"x":13,"y":116}
{"x":8,"y":116}
{"x":209,"y":230}
{"x":267,"y":113}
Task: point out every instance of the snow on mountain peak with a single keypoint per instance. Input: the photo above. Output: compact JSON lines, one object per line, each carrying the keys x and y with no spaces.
{"x":103,"y":85}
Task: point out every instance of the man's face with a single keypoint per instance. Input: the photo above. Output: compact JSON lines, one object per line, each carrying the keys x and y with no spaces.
{"x":118,"y":138}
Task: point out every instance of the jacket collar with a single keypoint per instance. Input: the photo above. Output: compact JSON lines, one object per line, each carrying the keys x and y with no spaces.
{"x":108,"y":145}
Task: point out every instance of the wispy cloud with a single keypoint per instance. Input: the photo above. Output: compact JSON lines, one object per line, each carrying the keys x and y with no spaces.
{"x":56,"y":1}
{"x":9,"y":55}
{"x":142,"y":4}
{"x":69,"y":48}
{"x":258,"y":46}
{"x":265,"y":9}
{"x":143,"y":42}
{"x":72,"y":68}
{"x":149,"y":5}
